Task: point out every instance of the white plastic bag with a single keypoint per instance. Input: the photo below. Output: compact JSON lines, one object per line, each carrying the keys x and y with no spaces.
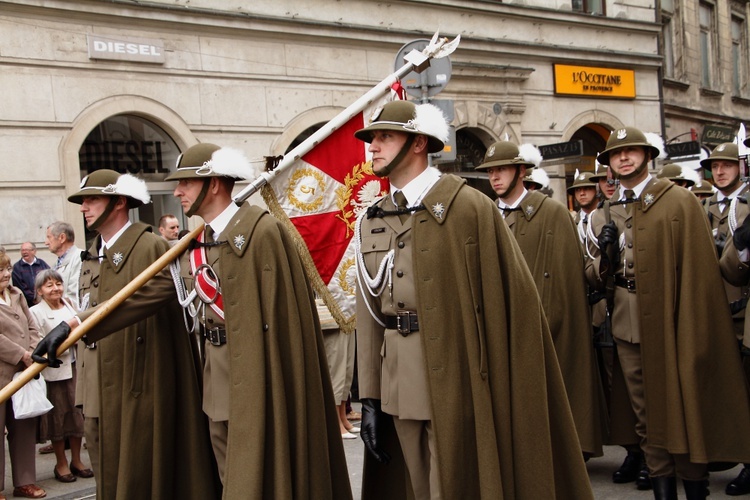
{"x":31,"y":400}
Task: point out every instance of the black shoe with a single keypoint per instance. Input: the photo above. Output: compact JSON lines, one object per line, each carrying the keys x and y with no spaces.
{"x":665,"y":488}
{"x":628,"y":471}
{"x":741,"y":484}
{"x":643,"y":481}
{"x":696,"y":490}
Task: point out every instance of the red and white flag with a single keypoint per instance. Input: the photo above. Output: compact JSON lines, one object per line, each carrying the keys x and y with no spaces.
{"x":320,"y":197}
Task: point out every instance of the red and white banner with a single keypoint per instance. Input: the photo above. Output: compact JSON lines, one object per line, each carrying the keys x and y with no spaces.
{"x":321,"y":196}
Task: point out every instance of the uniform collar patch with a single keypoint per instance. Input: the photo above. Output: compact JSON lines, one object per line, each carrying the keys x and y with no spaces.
{"x":648,"y":199}
{"x":529,"y":209}
{"x":239,"y":241}
{"x":438,"y":209}
{"x":117,"y":258}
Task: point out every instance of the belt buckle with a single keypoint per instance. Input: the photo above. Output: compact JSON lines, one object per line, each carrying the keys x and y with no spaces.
{"x":213,"y":335}
{"x":403,"y":322}
{"x":630,"y":285}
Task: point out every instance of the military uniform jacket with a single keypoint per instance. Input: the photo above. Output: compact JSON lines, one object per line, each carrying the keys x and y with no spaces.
{"x":284,"y":440}
{"x":737,"y":273}
{"x":694,"y":388}
{"x":502,"y":421}
{"x":720,"y":225}
{"x":549,"y":241}
{"x":145,"y":389}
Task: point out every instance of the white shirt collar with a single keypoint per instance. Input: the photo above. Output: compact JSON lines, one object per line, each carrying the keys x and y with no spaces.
{"x":415,"y":190}
{"x":637,"y":190}
{"x":113,"y":239}
{"x":502,"y":204}
{"x":221,"y":221}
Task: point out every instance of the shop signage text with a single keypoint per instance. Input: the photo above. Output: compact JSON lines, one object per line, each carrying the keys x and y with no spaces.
{"x":716,"y":134}
{"x":677,"y":149}
{"x":131,"y":157}
{"x":126,"y":49}
{"x":594,"y":82}
{"x":561,"y":149}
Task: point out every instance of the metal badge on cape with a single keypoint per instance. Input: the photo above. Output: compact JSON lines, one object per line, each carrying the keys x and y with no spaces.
{"x":117,"y":258}
{"x":648,"y":199}
{"x":438,"y":209}
{"x":239,"y":241}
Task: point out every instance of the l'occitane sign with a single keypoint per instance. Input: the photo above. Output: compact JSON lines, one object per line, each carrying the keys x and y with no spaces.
{"x":589,"y":81}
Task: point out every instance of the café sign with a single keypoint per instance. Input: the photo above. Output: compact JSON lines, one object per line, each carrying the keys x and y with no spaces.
{"x":594,"y":82}
{"x":119,"y":48}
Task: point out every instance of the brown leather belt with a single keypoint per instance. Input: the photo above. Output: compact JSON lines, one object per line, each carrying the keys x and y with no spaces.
{"x":404,"y":322}
{"x":215,"y":336}
{"x":624,"y":282}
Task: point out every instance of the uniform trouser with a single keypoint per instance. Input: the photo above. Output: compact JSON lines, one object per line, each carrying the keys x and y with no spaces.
{"x":417,"y":439}
{"x":21,"y":440}
{"x":660,"y":462}
{"x":91,"y":432}
{"x":219,"y":432}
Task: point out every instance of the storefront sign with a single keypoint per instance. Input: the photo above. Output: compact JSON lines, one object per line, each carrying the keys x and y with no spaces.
{"x":716,"y":134}
{"x":594,"y":82}
{"x":132,"y":157}
{"x":126,"y":49}
{"x":677,"y":149}
{"x":561,"y":149}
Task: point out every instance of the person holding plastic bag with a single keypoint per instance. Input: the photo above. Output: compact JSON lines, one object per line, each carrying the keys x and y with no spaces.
{"x":65,"y":421}
{"x":18,"y":337}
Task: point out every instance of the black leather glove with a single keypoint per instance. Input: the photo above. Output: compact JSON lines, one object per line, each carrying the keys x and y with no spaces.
{"x":608,"y":236}
{"x":720,"y":240}
{"x":372,"y":421}
{"x":742,"y":235}
{"x":49,"y":345}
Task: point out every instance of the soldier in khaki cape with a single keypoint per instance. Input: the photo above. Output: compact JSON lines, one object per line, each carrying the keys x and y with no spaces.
{"x":734,"y":268}
{"x":458,"y":377}
{"x":266,"y":388}
{"x":673,"y":337}
{"x":147,"y":436}
{"x":549,"y":242}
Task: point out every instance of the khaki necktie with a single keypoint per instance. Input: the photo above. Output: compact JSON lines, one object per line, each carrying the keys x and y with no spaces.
{"x":629,"y":195}
{"x":401,"y":205}
{"x":209,"y":234}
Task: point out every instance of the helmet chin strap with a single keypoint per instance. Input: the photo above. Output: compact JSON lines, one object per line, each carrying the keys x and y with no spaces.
{"x":199,"y":200}
{"x":638,"y":171}
{"x":105,"y":214}
{"x":512,"y":185}
{"x":731,"y":186}
{"x":386,"y":171}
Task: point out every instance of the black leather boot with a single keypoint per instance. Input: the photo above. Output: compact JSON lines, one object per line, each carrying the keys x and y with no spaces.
{"x":741,"y":484}
{"x":695,"y":490}
{"x":631,"y":466}
{"x":665,"y":488}
{"x":643,"y":481}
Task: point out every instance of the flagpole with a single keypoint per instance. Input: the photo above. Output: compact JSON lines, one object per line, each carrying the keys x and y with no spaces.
{"x":104,"y":309}
{"x":415,"y":61}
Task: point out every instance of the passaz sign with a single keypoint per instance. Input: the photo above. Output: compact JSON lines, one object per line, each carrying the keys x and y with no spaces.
{"x":591,"y":81}
{"x":126,"y":49}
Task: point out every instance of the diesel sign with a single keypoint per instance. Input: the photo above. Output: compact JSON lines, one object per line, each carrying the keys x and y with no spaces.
{"x":125,"y":49}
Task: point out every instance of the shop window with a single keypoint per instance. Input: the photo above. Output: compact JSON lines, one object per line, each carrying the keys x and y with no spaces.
{"x":595,"y":7}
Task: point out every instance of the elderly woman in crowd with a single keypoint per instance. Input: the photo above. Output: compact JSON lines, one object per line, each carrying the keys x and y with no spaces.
{"x":65,"y":420}
{"x":18,"y":337}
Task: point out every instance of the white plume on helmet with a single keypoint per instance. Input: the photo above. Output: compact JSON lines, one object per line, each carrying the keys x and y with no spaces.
{"x":129,"y":185}
{"x":530,"y":154}
{"x":540,"y":176}
{"x":232,"y":162}
{"x":429,"y":119}
{"x":656,"y":141}
{"x":690,"y":174}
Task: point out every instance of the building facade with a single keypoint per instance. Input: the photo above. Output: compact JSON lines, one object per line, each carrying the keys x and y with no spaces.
{"x":128,"y":84}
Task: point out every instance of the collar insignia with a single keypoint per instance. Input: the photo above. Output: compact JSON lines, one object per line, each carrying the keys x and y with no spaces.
{"x":648,"y":199}
{"x":438,"y":209}
{"x":117,"y":258}
{"x":529,"y":209}
{"x":239,"y":241}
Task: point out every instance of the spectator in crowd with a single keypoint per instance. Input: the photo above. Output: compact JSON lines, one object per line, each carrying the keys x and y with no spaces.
{"x":18,"y":339}
{"x":169,"y":228}
{"x":26,"y":269}
{"x":65,"y":420}
{"x":673,"y":334}
{"x":60,"y":241}
{"x":458,"y":379}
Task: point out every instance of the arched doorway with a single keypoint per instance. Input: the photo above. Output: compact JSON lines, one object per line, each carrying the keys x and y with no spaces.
{"x":135,"y":145}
